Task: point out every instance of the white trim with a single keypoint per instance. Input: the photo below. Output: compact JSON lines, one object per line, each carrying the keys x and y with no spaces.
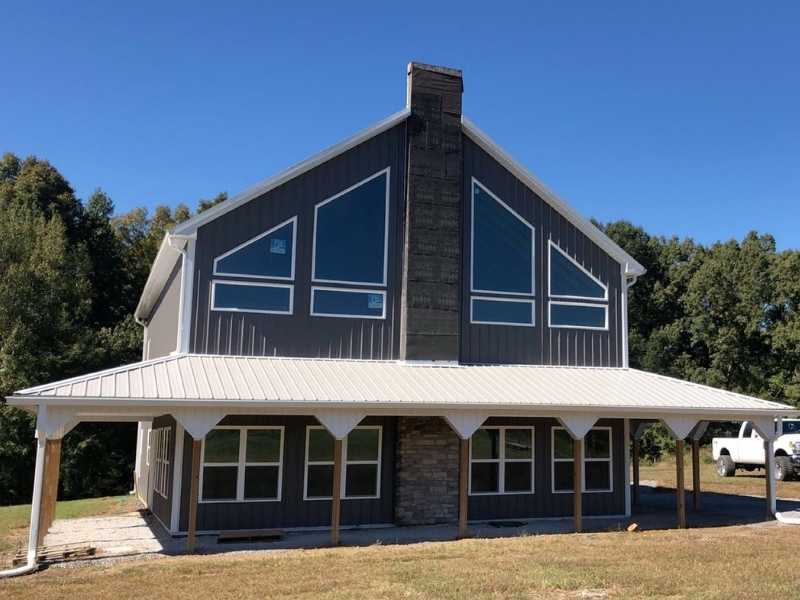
{"x":554,"y":460}
{"x":530,"y":301}
{"x":345,"y":463}
{"x":293,"y":221}
{"x":501,"y":462}
{"x":550,"y":303}
{"x":314,"y":278}
{"x":624,"y":318}
{"x":177,"y":478}
{"x":215,"y":282}
{"x":632,"y":267}
{"x":187,"y":296}
{"x":626,"y":432}
{"x":242,"y":464}
{"x":514,"y":213}
{"x":551,"y":246}
{"x":382,"y":293}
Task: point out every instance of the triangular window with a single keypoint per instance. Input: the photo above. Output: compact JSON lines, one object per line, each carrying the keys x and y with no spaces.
{"x":269,"y":255}
{"x":568,"y":279}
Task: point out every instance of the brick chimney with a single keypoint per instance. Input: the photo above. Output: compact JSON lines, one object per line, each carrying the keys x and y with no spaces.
{"x":432,"y":256}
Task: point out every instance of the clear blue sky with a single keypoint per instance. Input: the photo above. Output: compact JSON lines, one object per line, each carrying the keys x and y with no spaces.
{"x":683,"y":117}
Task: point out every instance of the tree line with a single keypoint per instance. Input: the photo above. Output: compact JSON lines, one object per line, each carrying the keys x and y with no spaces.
{"x":72,"y":270}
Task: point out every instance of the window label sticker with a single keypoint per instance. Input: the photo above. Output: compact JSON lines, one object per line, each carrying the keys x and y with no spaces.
{"x":277,"y":246}
{"x":374,"y":301}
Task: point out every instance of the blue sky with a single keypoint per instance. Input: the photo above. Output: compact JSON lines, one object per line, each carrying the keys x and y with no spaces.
{"x":683,"y":117}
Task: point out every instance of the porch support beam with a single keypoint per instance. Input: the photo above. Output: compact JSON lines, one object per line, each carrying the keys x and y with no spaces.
{"x":577,"y":484}
{"x":769,"y":475}
{"x":695,"y":436}
{"x":680,"y":488}
{"x":465,"y":425}
{"x":194,"y":490}
{"x":635,"y":459}
{"x":52,"y":464}
{"x":336,"y":496}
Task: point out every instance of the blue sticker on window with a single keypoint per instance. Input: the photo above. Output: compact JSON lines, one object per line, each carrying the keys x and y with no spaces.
{"x":375,"y":301}
{"x":277,"y":246}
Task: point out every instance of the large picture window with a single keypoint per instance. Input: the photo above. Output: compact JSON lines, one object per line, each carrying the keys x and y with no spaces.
{"x":597,"y":460}
{"x":501,"y":461}
{"x":361,"y":465}
{"x":502,"y":262}
{"x":571,"y":288}
{"x":269,"y":255}
{"x":242,"y":464}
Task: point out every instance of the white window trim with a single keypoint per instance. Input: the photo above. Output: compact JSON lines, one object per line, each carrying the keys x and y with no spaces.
{"x":314,"y":278}
{"x":609,"y":460}
{"x":161,"y":462}
{"x":255,"y":284}
{"x":588,"y":304}
{"x":502,"y":460}
{"x":553,"y":246}
{"x":241,"y":465}
{"x":293,"y":220}
{"x":473,"y":289}
{"x":531,"y":301}
{"x":345,"y":462}
{"x":382,"y":293}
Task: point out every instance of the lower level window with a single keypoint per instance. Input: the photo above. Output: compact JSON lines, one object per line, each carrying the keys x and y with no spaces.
{"x":332,"y":302}
{"x":596,"y":460}
{"x":578,"y":316}
{"x":242,"y":463}
{"x":361,"y":466}
{"x":501,"y":460}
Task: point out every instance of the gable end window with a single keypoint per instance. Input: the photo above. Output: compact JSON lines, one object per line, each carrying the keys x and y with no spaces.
{"x":241,"y":296}
{"x":502,"y":262}
{"x":578,"y":299}
{"x":269,"y":255}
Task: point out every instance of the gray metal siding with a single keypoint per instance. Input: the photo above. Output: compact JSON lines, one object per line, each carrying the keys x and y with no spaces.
{"x":300,"y":334}
{"x":162,"y":329}
{"x":539,"y":344}
{"x":162,"y":507}
{"x":543,"y":502}
{"x":292,"y":510}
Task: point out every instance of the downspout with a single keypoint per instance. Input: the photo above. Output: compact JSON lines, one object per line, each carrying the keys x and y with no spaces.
{"x":36,"y":509}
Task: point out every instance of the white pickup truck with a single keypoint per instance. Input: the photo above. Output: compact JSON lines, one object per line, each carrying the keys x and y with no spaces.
{"x":747,"y":451}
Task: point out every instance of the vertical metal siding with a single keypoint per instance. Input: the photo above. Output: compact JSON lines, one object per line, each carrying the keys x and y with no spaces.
{"x":540,"y":344}
{"x":300,"y":334}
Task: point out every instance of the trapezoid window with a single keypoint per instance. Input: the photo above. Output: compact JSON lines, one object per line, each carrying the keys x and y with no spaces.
{"x":269,"y":255}
{"x":502,"y":262}
{"x":569,"y":280}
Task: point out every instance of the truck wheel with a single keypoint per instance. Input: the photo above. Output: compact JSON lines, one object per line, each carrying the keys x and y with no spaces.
{"x":783,"y":468}
{"x":726,"y":466}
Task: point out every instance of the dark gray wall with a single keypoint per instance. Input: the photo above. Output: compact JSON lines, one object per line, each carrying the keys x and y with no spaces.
{"x":292,"y":510}
{"x":544,"y":503}
{"x":301,"y":334}
{"x":162,"y":329}
{"x":162,"y":507}
{"x":539,"y":344}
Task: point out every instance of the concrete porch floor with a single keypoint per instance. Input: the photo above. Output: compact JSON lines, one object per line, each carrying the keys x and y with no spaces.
{"x":133,"y":535}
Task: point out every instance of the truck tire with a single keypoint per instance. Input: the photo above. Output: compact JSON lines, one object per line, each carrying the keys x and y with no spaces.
{"x":725,"y":466}
{"x":783,"y":468}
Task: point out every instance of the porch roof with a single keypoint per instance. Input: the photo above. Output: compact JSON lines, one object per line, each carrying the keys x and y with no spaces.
{"x":184,"y":380}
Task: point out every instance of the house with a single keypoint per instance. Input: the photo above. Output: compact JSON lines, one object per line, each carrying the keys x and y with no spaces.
{"x":406,"y":328}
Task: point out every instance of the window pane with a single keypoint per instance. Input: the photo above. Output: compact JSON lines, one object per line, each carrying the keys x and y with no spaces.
{"x":518,"y":477}
{"x":502,"y":247}
{"x":261,"y":482}
{"x":598,"y":475}
{"x":519,"y":443}
{"x":486,"y":444}
{"x":566,"y":279}
{"x":502,"y":311}
{"x":350,"y":234}
{"x":562,"y":476}
{"x":320,"y":445}
{"x":485,"y":477}
{"x":562,"y":444}
{"x":576,"y":315}
{"x":347,"y":303}
{"x":263,"y":445}
{"x":219,"y":483}
{"x":598,"y":443}
{"x":320,"y":481}
{"x":252,"y":297}
{"x":362,"y":444}
{"x":268,"y":256}
{"x":361,"y":480}
{"x":222,"y":446}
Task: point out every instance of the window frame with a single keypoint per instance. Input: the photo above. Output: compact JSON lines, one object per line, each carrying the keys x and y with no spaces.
{"x":609,"y":460}
{"x":383,"y":283}
{"x":313,"y":313}
{"x":345,"y":462}
{"x":215,"y":282}
{"x":553,"y":246}
{"x":530,"y":301}
{"x":242,"y":464}
{"x":566,"y":303}
{"x":293,"y":220}
{"x":501,"y":461}
{"x":161,"y":462}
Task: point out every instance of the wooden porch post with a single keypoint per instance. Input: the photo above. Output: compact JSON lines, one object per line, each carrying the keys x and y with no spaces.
{"x":577,"y":484}
{"x":769,"y":474}
{"x":336,"y":496}
{"x":463,"y":484}
{"x":52,"y":464}
{"x":680,"y":488}
{"x":635,"y":458}
{"x":695,"y":474}
{"x":194,"y":490}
